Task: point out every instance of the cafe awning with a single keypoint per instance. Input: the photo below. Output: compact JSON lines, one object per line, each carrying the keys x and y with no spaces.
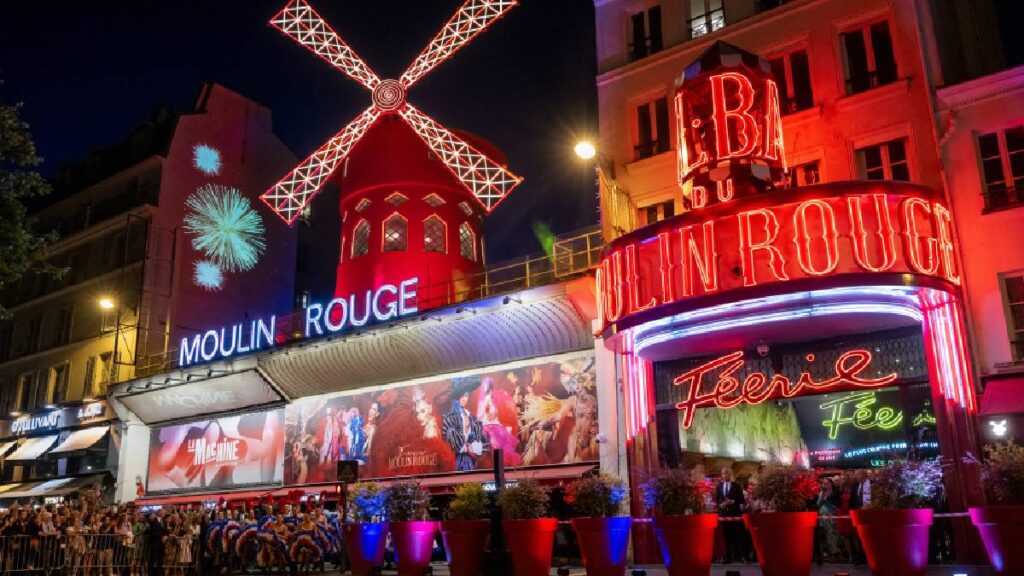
{"x":55,"y":487}
{"x":1004,"y":396}
{"x":81,"y":439}
{"x":33,"y":448}
{"x":5,"y":447}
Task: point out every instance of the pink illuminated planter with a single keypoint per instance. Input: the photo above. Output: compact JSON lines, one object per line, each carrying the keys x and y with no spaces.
{"x":530,"y":543}
{"x":464,"y":543}
{"x":365,"y":546}
{"x":414,"y":544}
{"x":1002,"y":531}
{"x":784,"y":541}
{"x":687,"y":543}
{"x":895,"y":541}
{"x":603,"y":543}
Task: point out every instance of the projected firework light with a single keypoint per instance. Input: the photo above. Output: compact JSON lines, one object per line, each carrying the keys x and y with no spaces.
{"x":486,"y":180}
{"x":225,"y":230}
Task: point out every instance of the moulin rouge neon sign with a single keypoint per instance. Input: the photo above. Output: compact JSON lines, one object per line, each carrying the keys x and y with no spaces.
{"x":757,"y":388}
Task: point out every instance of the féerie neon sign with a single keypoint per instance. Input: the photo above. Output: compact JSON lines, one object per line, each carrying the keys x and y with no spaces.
{"x":859,"y":410}
{"x":757,"y":387}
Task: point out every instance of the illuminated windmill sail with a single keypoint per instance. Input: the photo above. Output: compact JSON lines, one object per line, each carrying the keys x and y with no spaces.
{"x":485,"y":179}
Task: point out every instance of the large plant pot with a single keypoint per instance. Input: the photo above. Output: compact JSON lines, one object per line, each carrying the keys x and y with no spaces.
{"x":1002,"y":531}
{"x":530,"y":543}
{"x":784,"y":541}
{"x":603,"y":543}
{"x":414,"y":545}
{"x":365,"y":546}
{"x":895,"y":541}
{"x":687,"y":543}
{"x":464,"y":543}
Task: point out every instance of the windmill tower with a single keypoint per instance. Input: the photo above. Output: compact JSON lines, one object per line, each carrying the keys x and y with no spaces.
{"x":414,"y":194}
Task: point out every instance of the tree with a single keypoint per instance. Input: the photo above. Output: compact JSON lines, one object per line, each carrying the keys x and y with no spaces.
{"x":21,"y":246}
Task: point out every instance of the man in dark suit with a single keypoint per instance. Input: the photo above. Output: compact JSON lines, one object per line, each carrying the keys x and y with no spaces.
{"x":729,"y":501}
{"x":464,"y":433}
{"x":156,"y":538}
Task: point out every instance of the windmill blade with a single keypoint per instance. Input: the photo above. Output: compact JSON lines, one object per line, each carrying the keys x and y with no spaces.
{"x":486,"y":180}
{"x":289,"y":196}
{"x":471,"y":19}
{"x":299,"y":21}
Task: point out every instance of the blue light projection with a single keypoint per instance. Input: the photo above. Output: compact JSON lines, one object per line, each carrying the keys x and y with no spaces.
{"x":208,"y":275}
{"x":206,"y":159}
{"x":224,"y":227}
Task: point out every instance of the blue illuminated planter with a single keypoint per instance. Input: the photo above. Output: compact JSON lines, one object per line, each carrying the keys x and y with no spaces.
{"x":1002,"y":531}
{"x":603,"y":543}
{"x":365,"y":546}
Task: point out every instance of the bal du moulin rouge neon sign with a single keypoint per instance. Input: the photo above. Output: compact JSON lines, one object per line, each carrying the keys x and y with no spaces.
{"x":757,"y":387}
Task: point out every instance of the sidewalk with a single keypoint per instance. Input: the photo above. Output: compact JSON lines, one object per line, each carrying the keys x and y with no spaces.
{"x":441,"y":569}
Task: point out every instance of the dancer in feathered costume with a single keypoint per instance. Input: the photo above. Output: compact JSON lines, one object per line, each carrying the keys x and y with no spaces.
{"x":247,"y":545}
{"x":304,"y":550}
{"x":229,"y":534}
{"x":213,"y":542}
{"x":273,"y":552}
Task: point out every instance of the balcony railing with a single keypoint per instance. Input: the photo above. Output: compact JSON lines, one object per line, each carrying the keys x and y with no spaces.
{"x":571,"y":256}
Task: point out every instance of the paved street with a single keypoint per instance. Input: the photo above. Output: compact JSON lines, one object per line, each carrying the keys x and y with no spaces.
{"x":747,"y":570}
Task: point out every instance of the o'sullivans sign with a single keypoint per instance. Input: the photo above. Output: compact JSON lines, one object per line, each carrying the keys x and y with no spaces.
{"x":382,"y":304}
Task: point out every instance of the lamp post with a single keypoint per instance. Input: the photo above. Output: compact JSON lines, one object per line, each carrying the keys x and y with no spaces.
{"x":616,"y":206}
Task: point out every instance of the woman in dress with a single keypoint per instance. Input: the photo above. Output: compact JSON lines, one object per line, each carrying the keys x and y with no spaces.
{"x":500,"y":436}
{"x":828,"y":505}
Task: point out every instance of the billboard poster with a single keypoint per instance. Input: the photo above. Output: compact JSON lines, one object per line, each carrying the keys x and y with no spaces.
{"x":218,"y":453}
{"x":538,"y":414}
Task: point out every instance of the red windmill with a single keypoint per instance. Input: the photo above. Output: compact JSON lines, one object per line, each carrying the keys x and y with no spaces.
{"x":487,"y":180}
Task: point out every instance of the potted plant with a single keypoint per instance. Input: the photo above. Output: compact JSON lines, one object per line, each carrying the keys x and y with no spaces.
{"x":894,"y":526}
{"x":411,"y":533}
{"x":685,"y":533}
{"x":1002,"y":525}
{"x":783,"y":529}
{"x":465,"y":530}
{"x":367,"y":529}
{"x":529,"y":529}
{"x":603,"y":534}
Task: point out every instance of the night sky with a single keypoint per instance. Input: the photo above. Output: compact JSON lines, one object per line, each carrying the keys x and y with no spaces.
{"x":87,"y":72}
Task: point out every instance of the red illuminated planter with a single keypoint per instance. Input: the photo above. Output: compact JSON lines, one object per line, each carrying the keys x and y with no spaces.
{"x":603,"y":543}
{"x":784,"y":541}
{"x":464,"y":543}
{"x":414,"y":545}
{"x":687,"y":542}
{"x":1002,"y":531}
{"x":365,"y":546}
{"x":530,"y":543}
{"x":895,"y":541}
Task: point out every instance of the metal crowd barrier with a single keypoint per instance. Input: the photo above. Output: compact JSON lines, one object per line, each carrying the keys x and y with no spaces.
{"x":97,"y":555}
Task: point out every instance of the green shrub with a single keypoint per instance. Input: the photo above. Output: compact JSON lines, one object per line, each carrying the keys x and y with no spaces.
{"x":598,"y":496}
{"x":676,"y":491}
{"x":906,"y":484}
{"x":784,"y":488}
{"x":470,"y":503}
{"x":525,"y":501}
{"x":1002,"y":474}
{"x":406,"y":501}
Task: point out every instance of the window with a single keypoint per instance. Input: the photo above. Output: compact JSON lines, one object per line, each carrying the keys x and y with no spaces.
{"x":705,"y":16}
{"x":396,"y":198}
{"x":396,"y":235}
{"x":793,"y":75}
{"x":805,"y":174}
{"x":652,"y":131}
{"x":58,"y":382}
{"x":467,"y":243}
{"x":8,"y":397}
{"x":43,"y":392}
{"x":868,"y":57}
{"x":645,"y":37}
{"x":433,"y":200}
{"x":97,"y":375}
{"x":26,"y":391}
{"x":885,"y":161}
{"x":1002,"y":167}
{"x":363,"y":205}
{"x":658,"y":212}
{"x":67,"y":314}
{"x":35,"y":333}
{"x":6,"y":341}
{"x":361,"y":239}
{"x":465,"y":208}
{"x":433,"y":235}
{"x":1013,"y":286}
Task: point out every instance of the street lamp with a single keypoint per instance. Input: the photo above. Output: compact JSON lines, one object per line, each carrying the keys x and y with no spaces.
{"x":615,"y":204}
{"x":585,"y":150}
{"x":106,"y":303}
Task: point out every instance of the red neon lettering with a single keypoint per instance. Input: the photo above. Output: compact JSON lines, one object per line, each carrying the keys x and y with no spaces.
{"x":667,"y":267}
{"x":746,"y":125}
{"x":829,"y":237}
{"x":634,"y":282}
{"x":614,"y":302}
{"x":698,"y":196}
{"x":886,"y":241}
{"x":913,"y":237}
{"x":748,"y":246}
{"x":774,"y":144}
{"x":704,"y":262}
{"x":944,"y":224}
{"x":753,"y":390}
{"x":724,"y":190}
{"x":685,"y":167}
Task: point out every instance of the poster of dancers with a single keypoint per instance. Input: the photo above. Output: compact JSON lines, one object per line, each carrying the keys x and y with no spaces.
{"x":538,"y":414}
